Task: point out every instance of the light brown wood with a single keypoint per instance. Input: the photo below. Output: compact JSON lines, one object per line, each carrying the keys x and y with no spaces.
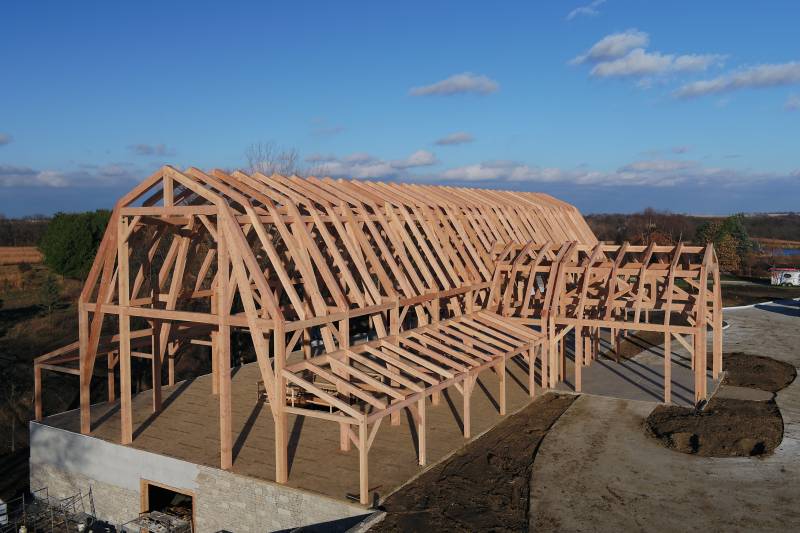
{"x":451,"y":281}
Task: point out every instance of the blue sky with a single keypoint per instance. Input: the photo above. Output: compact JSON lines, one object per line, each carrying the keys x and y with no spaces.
{"x":613,"y":105}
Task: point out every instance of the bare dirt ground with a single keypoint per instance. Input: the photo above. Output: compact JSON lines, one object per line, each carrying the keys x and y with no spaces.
{"x":725,"y":428}
{"x":757,"y":372}
{"x":483,"y":487}
{"x":728,"y":427}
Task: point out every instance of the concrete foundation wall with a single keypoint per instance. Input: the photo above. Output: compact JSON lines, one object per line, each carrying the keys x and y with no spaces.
{"x":67,"y":462}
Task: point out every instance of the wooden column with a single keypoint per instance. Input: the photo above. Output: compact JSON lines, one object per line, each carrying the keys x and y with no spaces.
{"x":716,"y":351}
{"x":126,"y":414}
{"x":85,"y":372}
{"x":667,"y":366}
{"x":467,"y":388}
{"x":421,"y":425}
{"x":222,"y":347}
{"x":363,"y":464}
{"x":394,"y":329}
{"x":279,"y":412}
{"x":111,"y":364}
{"x":215,"y":301}
{"x":501,"y":376}
{"x":544,"y":356}
{"x":37,"y":392}
{"x":344,"y":343}
{"x":173,"y":348}
{"x":156,"y":365}
{"x":701,"y":339}
{"x":532,"y":371}
{"x":552,"y":354}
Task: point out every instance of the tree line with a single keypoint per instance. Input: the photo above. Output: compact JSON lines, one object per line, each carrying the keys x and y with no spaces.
{"x":733,"y":236}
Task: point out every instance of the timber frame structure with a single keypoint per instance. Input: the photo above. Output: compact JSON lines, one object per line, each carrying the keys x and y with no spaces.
{"x":450,"y":282}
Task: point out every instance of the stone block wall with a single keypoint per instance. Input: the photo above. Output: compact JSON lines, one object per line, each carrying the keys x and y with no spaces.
{"x":67,"y":463}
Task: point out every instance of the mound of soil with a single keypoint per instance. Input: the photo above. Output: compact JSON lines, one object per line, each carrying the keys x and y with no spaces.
{"x":483,"y":487}
{"x":725,"y":428}
{"x":757,"y":372}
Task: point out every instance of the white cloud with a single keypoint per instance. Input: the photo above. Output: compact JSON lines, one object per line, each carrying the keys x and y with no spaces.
{"x":652,"y":173}
{"x":466,"y":82}
{"x":14,"y":176}
{"x":459,"y":137}
{"x":758,"y":76}
{"x":362,"y":165}
{"x":613,"y":46}
{"x":104,"y":175}
{"x":792,"y":103}
{"x":639,"y":62}
{"x":420,"y":158}
{"x":5,"y":138}
{"x":160,"y":150}
{"x":588,"y":10}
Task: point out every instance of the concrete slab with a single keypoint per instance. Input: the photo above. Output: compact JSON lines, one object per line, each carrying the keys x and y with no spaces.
{"x":744,"y":393}
{"x":597,"y":471}
{"x":188,"y":429}
{"x":639,"y":378}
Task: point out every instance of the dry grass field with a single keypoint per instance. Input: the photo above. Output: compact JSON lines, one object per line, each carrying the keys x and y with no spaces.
{"x":14,"y":255}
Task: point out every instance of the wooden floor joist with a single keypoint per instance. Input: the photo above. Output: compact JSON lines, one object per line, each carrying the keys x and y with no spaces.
{"x":448,"y":282}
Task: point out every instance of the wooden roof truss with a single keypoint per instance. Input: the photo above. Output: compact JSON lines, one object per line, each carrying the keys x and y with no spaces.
{"x":452,"y":282}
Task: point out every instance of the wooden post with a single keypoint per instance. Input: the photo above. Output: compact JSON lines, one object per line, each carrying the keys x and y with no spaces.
{"x":532,"y":371}
{"x":501,"y":376}
{"x":215,"y":306}
{"x":667,"y":366}
{"x":222,"y":347}
{"x":344,"y":343}
{"x":37,"y":392}
{"x":421,"y":425}
{"x":85,"y":372}
{"x":544,"y":356}
{"x":126,"y":414}
{"x":716,"y":317}
{"x":394,"y":329}
{"x":552,"y":354}
{"x":281,"y":426}
{"x":173,"y":348}
{"x":156,"y":365}
{"x":467,"y":387}
{"x":111,"y":364}
{"x":363,"y":464}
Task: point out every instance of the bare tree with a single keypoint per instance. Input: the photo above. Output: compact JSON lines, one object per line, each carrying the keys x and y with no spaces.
{"x":269,"y":158}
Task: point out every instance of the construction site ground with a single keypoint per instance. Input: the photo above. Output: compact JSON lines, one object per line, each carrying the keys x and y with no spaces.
{"x":595,"y":467}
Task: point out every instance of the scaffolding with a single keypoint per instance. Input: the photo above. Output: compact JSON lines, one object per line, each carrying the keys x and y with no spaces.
{"x":40,"y":512}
